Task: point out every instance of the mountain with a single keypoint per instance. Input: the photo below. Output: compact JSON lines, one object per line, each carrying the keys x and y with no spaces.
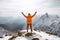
{"x":46,"y":22}
{"x":35,"y":35}
{"x":11,"y":23}
{"x":3,"y":31}
{"x":49,"y":23}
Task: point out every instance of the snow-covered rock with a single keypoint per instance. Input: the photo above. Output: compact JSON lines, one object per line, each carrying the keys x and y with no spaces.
{"x":40,"y":35}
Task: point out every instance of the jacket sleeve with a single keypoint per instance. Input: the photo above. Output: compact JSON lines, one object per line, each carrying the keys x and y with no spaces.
{"x":34,"y":14}
{"x":23,"y":14}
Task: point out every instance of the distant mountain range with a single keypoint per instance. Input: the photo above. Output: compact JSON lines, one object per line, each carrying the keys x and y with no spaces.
{"x":48,"y":23}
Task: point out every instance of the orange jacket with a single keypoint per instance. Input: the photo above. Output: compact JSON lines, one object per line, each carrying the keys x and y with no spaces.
{"x":29,"y":18}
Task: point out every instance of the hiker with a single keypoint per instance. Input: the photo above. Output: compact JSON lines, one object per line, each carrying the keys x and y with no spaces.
{"x":29,"y":20}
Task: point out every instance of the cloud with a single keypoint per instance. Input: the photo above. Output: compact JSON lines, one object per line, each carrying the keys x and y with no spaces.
{"x":14,"y":7}
{"x":53,"y":3}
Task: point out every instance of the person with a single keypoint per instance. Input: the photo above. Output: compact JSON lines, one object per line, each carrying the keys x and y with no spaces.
{"x":29,"y":20}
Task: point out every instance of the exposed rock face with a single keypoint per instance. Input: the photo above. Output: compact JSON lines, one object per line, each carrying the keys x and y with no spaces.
{"x":29,"y":34}
{"x":35,"y":39}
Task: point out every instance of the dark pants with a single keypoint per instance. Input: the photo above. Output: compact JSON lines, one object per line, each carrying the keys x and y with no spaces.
{"x":30,"y":27}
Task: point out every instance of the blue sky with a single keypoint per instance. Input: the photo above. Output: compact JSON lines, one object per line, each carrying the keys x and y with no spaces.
{"x":15,"y":7}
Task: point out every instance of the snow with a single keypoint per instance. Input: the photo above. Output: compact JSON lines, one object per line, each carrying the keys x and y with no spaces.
{"x":41,"y":35}
{"x":20,"y":38}
{"x":49,"y":23}
{"x":5,"y":38}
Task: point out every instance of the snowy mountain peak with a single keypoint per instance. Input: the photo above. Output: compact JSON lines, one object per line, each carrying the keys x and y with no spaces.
{"x":44,"y":16}
{"x":39,"y":35}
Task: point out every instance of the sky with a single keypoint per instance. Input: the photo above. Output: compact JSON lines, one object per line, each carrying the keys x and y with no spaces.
{"x":15,"y":7}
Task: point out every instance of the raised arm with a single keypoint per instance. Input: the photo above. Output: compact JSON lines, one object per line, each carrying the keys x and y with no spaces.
{"x":34,"y":14}
{"x":23,"y":14}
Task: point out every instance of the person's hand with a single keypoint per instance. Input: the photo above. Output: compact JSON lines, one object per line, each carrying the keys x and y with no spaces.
{"x":36,"y":12}
{"x":22,"y":12}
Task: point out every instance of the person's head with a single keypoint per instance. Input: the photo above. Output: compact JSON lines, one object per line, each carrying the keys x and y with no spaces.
{"x":29,"y":14}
